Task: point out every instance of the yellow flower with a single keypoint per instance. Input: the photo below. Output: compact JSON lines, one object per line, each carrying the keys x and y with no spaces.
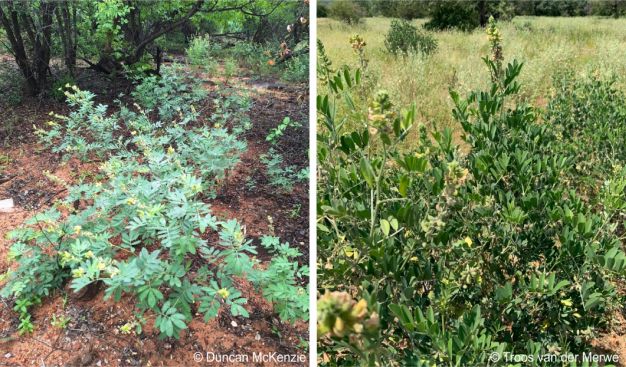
{"x":224,"y":293}
{"x":77,"y":229}
{"x":101,"y":266}
{"x":468,"y":241}
{"x":89,"y":254}
{"x":77,"y":273}
{"x":126,"y":328}
{"x":170,"y":150}
{"x":567,"y":302}
{"x":131,"y":201}
{"x":66,"y":257}
{"x":133,"y":133}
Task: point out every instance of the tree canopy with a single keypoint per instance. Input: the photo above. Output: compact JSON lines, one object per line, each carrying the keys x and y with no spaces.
{"x":111,"y":34}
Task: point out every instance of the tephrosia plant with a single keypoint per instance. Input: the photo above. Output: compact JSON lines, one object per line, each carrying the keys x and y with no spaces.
{"x":145,"y":228}
{"x":460,"y":255}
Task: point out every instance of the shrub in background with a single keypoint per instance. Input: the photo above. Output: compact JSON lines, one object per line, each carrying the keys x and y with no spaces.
{"x":230,"y":67}
{"x":297,"y":69}
{"x":347,"y":11}
{"x":405,"y":9}
{"x":460,"y":15}
{"x":467,"y":15}
{"x":199,"y":51}
{"x":403,"y":38}
{"x":322,"y":10}
{"x":11,"y":85}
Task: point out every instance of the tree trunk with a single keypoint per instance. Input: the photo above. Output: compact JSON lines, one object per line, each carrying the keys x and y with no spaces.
{"x":66,"y":21}
{"x":43,"y":40}
{"x":35,"y":70}
{"x":482,"y":13}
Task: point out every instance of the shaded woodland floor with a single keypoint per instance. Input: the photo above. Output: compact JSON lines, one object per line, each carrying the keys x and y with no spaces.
{"x":92,"y":336}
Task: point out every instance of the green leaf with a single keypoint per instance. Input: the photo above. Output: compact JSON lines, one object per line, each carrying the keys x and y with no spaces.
{"x":367,"y":172}
{"x":384,"y":226}
{"x":504,"y":293}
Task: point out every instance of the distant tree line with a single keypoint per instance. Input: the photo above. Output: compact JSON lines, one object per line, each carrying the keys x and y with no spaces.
{"x":465,"y":14}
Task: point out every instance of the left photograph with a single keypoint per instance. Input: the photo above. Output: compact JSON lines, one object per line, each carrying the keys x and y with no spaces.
{"x":154,"y":183}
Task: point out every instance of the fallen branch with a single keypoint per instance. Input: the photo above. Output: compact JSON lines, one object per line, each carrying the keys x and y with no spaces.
{"x":6,"y":178}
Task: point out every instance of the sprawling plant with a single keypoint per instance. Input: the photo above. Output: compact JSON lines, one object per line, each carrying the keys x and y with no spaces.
{"x":589,"y":116}
{"x":144,"y":229}
{"x":460,"y":255}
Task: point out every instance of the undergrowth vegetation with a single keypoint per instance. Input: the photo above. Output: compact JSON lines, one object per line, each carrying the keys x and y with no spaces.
{"x":144,"y":229}
{"x":430,"y":255}
{"x":260,"y":60}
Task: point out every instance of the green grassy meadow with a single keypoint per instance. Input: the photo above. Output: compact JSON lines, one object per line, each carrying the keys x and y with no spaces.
{"x":546,"y":45}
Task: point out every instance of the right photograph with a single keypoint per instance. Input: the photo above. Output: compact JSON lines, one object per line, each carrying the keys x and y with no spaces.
{"x":471,"y":167}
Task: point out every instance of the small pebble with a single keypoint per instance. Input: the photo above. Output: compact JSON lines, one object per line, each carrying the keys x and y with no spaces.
{"x":8,"y":355}
{"x":233,"y":323}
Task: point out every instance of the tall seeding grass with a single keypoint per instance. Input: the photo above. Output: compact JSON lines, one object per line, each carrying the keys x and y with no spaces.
{"x":547,"y":46}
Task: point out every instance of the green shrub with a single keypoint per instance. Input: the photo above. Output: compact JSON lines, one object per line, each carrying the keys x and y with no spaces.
{"x":466,"y":15}
{"x":347,"y":11}
{"x":199,"y":51}
{"x":297,"y":69}
{"x":172,"y":93}
{"x":11,"y":85}
{"x":322,"y":10}
{"x":139,"y":229}
{"x":464,"y":254}
{"x":60,"y":86}
{"x":230,"y":67}
{"x":275,"y":134}
{"x":589,"y":116}
{"x":404,"y":9}
{"x":403,"y":38}
{"x":256,"y":57}
{"x":279,"y":175}
{"x":460,"y":15}
{"x":230,"y":108}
